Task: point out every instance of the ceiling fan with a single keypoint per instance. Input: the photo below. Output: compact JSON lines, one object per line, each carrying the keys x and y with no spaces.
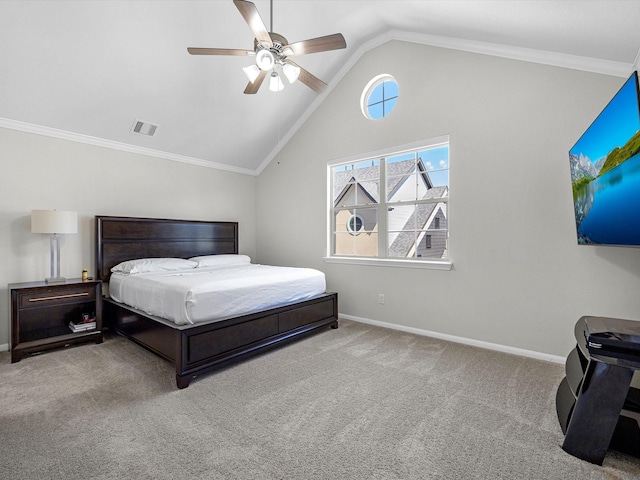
{"x":272,"y":52}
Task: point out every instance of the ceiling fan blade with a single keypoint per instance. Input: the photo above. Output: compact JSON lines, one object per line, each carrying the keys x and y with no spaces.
{"x":250,"y":14}
{"x":320,"y":44}
{"x":311,"y":81}
{"x":252,"y":87}
{"x":218,"y":51}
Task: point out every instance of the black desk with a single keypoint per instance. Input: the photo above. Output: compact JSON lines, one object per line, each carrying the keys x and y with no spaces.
{"x":596,"y":405}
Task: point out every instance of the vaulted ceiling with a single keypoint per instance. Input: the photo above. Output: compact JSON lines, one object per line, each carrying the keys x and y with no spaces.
{"x":87,"y":70}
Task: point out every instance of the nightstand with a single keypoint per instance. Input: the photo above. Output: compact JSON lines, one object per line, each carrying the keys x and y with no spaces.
{"x":41,"y":313}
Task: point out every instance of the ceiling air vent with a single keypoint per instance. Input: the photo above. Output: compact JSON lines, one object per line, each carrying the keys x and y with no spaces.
{"x":143,"y":128}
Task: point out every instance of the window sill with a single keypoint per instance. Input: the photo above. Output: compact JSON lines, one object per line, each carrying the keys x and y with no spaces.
{"x":386,"y":262}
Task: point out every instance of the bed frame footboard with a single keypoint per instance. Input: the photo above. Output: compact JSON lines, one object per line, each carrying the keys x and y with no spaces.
{"x":198,"y":349}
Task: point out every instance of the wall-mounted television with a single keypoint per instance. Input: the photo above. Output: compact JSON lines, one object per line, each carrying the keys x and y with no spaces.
{"x":605,"y":173}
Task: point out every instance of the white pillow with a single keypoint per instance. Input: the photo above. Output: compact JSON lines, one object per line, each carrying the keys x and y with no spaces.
{"x":222,"y":260}
{"x":145,"y":265}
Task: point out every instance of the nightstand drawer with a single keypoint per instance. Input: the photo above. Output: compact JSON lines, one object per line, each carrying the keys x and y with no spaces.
{"x":57,"y":296}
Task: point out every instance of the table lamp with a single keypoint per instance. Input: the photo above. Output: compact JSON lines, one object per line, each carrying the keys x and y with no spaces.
{"x":54,"y":222}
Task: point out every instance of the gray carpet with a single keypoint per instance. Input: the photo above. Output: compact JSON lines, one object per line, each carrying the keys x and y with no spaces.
{"x":360,"y":402}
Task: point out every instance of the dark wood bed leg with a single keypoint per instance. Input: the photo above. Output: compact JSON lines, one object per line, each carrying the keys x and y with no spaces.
{"x":334,"y":325}
{"x":183,"y":381}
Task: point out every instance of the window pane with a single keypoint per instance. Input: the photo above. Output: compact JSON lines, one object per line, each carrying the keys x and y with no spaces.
{"x":369,"y":217}
{"x":401,"y":218}
{"x":357,"y":245}
{"x":356,"y":183}
{"x":402,"y":244}
{"x":436,"y":163}
{"x":389,"y":105}
{"x":413,"y":186}
{"x":368,"y":192}
{"x":375,"y":111}
{"x":367,"y":245}
{"x":362,"y":241}
{"x":432,"y":244}
{"x":377,"y":95}
{"x":439,"y":178}
{"x":365,"y":219}
{"x":438,"y":217}
{"x":402,"y":181}
{"x":401,"y":222}
{"x":390,"y":90}
{"x":345,"y":244}
{"x":341,"y":220}
{"x":408,"y":227}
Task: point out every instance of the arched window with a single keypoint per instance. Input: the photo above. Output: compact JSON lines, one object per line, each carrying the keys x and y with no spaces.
{"x":379,"y":97}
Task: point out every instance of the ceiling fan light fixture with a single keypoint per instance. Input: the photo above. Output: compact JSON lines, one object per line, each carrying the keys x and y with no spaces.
{"x":252,"y":72}
{"x":292,"y":72}
{"x":265,"y":59}
{"x":271,"y":51}
{"x":275,"y":83}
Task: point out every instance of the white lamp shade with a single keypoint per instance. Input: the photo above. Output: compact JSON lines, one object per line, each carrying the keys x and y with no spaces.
{"x":265,"y":60}
{"x":275,"y":83}
{"x":54,"y":221}
{"x":292,"y":72}
{"x":252,"y":72}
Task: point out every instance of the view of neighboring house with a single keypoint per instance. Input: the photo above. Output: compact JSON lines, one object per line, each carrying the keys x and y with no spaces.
{"x":415,"y":230}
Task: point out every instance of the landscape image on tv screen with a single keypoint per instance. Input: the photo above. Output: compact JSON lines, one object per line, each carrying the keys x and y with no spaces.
{"x":605,"y":173}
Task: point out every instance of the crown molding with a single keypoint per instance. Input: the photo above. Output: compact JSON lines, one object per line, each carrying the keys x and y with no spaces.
{"x":575,"y":62}
{"x":124,"y":147}
{"x":593,"y":65}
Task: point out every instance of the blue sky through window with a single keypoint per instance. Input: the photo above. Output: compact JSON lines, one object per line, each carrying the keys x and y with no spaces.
{"x":382,"y":99}
{"x":436,"y":161}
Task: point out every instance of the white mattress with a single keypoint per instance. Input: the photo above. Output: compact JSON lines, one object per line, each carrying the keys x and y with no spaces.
{"x":215,"y":293}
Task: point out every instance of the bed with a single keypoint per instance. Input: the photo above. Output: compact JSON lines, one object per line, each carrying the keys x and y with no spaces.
{"x":205,"y":345}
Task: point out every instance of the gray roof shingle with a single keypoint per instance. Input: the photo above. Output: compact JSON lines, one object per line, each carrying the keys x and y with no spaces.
{"x":406,"y":239}
{"x":369,"y":178}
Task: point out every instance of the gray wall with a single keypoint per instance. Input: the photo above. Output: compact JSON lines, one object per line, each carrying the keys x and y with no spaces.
{"x":40,"y":172}
{"x":518,"y":279}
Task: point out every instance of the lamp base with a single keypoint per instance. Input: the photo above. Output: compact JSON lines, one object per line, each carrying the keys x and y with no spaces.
{"x":55,"y":280}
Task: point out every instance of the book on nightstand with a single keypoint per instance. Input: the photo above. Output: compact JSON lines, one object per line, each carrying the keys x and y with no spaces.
{"x":82,"y":326}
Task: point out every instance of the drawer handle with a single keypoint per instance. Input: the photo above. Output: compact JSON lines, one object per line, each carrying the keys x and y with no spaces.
{"x":58,"y":297}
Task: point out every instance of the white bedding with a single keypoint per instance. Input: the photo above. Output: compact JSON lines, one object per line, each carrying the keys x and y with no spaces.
{"x":215,"y":293}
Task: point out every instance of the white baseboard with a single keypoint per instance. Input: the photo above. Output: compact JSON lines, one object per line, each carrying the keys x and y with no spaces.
{"x":466,"y":341}
{"x":442,"y":336}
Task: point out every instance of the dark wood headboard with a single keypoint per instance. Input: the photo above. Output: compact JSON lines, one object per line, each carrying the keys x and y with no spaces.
{"x":126,"y":238}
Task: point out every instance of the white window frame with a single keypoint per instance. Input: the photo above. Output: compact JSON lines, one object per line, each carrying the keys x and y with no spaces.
{"x":381,"y":259}
{"x":368,"y":90}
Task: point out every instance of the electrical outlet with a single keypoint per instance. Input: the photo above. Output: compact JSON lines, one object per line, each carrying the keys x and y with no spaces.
{"x":381,"y":298}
